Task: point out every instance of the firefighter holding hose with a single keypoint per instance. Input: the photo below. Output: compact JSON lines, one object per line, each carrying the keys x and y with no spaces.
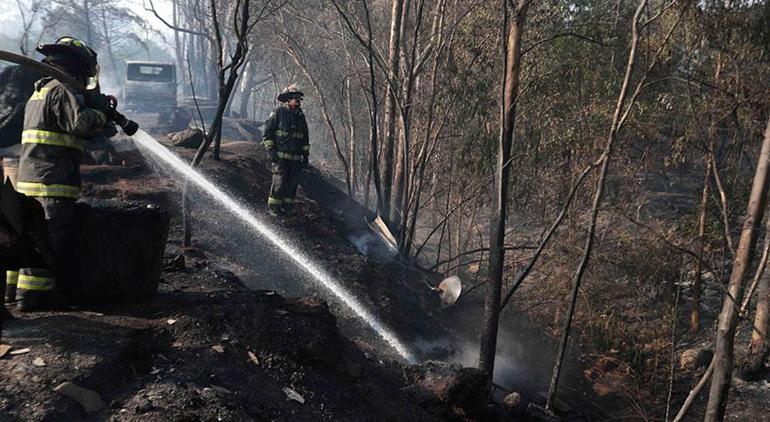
{"x":56,"y":123}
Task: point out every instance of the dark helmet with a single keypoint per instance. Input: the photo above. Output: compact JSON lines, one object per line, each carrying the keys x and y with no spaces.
{"x":71,"y":55}
{"x":290,"y":92}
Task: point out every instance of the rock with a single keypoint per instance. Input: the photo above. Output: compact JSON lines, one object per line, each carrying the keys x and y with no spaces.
{"x":175,"y":263}
{"x":293,"y":395}
{"x":252,"y":357}
{"x":695,"y":358}
{"x":20,"y":351}
{"x":90,"y":400}
{"x":188,"y":138}
{"x":38,"y":362}
{"x":173,"y":120}
{"x":221,"y":390}
{"x":143,"y":406}
{"x":209,"y":393}
{"x":512,"y":400}
{"x":218,"y":348}
{"x":241,"y":129}
{"x":465,"y":388}
{"x":4,"y":349}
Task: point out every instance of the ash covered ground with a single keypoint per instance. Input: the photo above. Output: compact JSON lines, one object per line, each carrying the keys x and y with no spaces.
{"x":222,"y":340}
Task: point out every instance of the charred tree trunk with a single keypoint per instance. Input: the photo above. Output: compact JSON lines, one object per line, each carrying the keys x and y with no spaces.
{"x":226,"y":89}
{"x":351,"y":138}
{"x":511,"y":74}
{"x":397,"y":188}
{"x":389,"y":123}
{"x":728,"y":317}
{"x":403,"y":193}
{"x":696,"y":285}
{"x":373,"y":115}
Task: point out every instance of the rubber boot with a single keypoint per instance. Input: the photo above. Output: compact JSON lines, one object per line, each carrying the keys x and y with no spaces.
{"x":36,"y":301}
{"x":10,"y":293}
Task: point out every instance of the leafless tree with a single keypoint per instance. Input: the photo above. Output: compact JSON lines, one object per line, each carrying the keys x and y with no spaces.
{"x":728,"y":317}
{"x":510,"y":92}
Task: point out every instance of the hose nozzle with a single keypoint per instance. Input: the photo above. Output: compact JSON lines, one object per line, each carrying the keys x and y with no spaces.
{"x":129,"y":126}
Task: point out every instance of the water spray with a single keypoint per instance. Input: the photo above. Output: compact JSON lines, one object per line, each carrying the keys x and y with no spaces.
{"x":148,"y":143}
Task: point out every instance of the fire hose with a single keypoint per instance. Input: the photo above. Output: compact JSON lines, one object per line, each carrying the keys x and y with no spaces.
{"x":129,"y":126}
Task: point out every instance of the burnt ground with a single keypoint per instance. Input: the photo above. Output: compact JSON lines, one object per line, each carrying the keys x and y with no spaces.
{"x":218,"y":342}
{"x":186,"y":354}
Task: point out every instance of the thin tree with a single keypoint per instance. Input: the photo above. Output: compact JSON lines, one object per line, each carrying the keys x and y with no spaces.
{"x":389,"y":124}
{"x":605,"y":161}
{"x":510,"y":82}
{"x":243,"y":24}
{"x":371,"y":59}
{"x":696,"y":285}
{"x":728,"y":317}
{"x":758,"y":347}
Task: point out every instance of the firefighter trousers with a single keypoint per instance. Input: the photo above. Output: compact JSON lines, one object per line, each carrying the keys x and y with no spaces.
{"x":283,"y":191}
{"x":60,"y":216}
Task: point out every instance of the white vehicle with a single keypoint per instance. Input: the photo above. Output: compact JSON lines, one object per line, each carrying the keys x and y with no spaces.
{"x":149,"y":86}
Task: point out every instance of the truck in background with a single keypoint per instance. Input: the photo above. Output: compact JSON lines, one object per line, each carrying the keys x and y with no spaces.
{"x":149,"y":86}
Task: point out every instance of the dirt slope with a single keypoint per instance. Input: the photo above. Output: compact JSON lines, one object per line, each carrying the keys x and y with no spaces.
{"x":213,"y":347}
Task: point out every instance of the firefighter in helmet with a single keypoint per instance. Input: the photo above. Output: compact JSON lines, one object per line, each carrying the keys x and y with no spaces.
{"x":56,"y":123}
{"x":286,"y":138}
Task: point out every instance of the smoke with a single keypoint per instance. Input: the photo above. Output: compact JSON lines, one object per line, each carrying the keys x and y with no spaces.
{"x":521,"y":362}
{"x":109,"y":84}
{"x":369,"y":244}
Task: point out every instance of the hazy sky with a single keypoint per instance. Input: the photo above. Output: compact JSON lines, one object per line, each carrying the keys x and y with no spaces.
{"x":10,"y":18}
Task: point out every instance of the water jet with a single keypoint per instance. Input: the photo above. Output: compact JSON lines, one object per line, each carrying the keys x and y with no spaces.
{"x":149,"y":144}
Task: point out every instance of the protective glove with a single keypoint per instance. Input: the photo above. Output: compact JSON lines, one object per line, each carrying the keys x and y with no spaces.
{"x":109,"y":130}
{"x":305,"y":161}
{"x":101,"y":102}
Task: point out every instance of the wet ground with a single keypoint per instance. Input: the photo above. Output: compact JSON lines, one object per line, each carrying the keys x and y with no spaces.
{"x":220,"y":342}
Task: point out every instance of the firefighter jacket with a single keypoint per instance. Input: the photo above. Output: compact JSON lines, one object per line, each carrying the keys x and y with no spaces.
{"x":55,"y":125}
{"x":286,"y":133}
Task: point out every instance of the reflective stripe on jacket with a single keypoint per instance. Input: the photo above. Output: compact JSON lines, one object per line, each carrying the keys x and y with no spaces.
{"x":286,"y":131}
{"x":55,"y":125}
